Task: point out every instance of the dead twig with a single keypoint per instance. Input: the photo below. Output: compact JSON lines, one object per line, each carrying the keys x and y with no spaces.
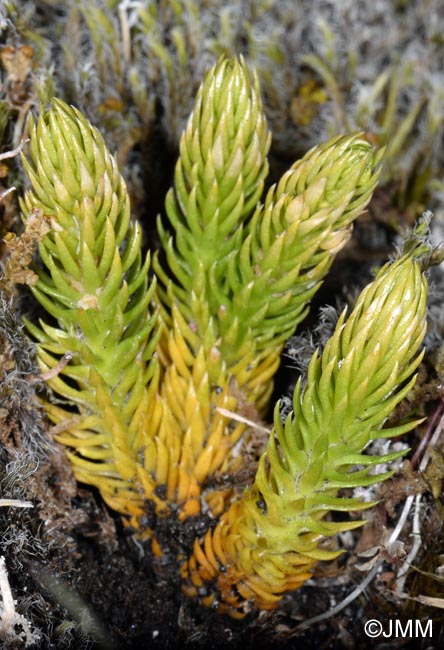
{"x":416,"y":529}
{"x":241,"y":418}
{"x":416,"y":533}
{"x":13,"y":152}
{"x":16,"y":503}
{"x":52,"y":372}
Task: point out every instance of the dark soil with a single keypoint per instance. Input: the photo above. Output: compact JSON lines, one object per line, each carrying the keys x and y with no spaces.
{"x":85,"y":581}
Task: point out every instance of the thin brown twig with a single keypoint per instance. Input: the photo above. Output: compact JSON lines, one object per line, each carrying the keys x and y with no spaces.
{"x":6,"y":192}
{"x":16,"y":503}
{"x":427,"y":434}
{"x":125,"y":30}
{"x":52,"y":372}
{"x":240,"y":418}
{"x":416,"y":531}
{"x":13,"y":152}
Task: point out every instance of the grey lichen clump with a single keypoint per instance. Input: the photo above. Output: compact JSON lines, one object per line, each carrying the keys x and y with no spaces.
{"x":325,"y":67}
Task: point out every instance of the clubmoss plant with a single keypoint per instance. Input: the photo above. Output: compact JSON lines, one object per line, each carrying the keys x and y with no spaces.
{"x":148,"y":372}
{"x":96,"y":287}
{"x":268,"y":540}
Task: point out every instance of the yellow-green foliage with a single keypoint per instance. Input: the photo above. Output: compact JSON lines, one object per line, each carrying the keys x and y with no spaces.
{"x":155,"y":369}
{"x":96,"y":287}
{"x":350,"y":390}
